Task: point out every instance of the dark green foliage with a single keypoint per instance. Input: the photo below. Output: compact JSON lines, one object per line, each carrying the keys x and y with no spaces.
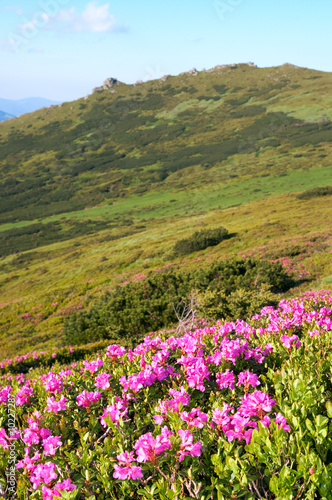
{"x":36,"y":235}
{"x":315,"y":192}
{"x":200,"y":240}
{"x":140,"y":307}
{"x":239,"y":101}
{"x":248,"y":111}
{"x":221,"y":89}
{"x":208,"y":98}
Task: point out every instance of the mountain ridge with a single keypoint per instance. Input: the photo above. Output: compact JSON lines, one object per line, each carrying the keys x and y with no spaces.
{"x":17,"y":107}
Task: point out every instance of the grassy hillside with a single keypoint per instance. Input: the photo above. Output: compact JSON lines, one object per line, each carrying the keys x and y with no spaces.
{"x":99,"y":190}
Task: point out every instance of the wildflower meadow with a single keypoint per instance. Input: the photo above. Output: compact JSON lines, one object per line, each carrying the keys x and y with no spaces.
{"x":231,"y":410}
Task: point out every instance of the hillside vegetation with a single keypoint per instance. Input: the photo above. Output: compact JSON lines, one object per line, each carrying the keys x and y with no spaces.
{"x":100,"y":191}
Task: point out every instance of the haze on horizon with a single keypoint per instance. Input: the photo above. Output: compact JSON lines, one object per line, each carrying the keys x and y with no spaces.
{"x":61,"y":49}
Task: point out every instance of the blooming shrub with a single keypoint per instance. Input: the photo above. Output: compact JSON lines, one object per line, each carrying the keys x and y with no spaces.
{"x":234,"y":410}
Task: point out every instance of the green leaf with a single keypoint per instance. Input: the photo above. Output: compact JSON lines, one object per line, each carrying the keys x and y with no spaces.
{"x":274,"y":485}
{"x":329,"y":408}
{"x":310,"y":426}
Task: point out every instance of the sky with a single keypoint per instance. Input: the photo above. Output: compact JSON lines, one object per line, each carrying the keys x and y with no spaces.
{"x":62,"y":49}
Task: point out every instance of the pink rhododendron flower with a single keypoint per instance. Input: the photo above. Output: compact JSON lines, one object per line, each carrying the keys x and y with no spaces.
{"x":3,"y":439}
{"x":282,"y":422}
{"x":248,"y":379}
{"x":196,"y":371}
{"x":266,"y":421}
{"x":86,"y":399}
{"x":225,"y":380}
{"x":114,"y":351}
{"x":28,"y":462}
{"x":256,"y":404}
{"x":93,"y":366}
{"x":236,"y":428}
{"x":102,"y":381}
{"x":4,"y":394}
{"x":287,"y":341}
{"x":179,"y":397}
{"x":56,"y":406}
{"x":50,"y":444}
{"x":53,"y":383}
{"x":43,"y":473}
{"x":187,"y":446}
{"x":66,"y":485}
{"x":116,"y":412}
{"x":127,"y":472}
{"x":313,"y":333}
{"x":23,"y":395}
{"x":195,"y":418}
{"x":148,"y":448}
{"x":126,"y":458}
{"x":49,"y":493}
{"x":221,"y":417}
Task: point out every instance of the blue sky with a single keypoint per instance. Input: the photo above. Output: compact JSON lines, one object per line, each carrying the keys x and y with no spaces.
{"x":61,"y":49}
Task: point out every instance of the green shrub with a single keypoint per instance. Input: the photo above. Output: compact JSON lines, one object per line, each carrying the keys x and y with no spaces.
{"x":315,"y":192}
{"x":239,"y":303}
{"x":232,"y":287}
{"x":200,"y":240}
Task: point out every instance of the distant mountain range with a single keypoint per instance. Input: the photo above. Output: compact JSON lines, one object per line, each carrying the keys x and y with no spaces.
{"x":12,"y":108}
{"x":5,"y":116}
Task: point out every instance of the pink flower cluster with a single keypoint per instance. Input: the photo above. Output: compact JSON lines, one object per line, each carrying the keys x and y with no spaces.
{"x":93,"y":366}
{"x":56,"y":406}
{"x":86,"y":399}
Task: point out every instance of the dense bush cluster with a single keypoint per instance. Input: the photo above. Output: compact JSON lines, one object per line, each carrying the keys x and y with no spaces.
{"x":20,"y":239}
{"x":225,"y":288}
{"x":233,"y":410}
{"x":201,"y":240}
{"x":315,"y":192}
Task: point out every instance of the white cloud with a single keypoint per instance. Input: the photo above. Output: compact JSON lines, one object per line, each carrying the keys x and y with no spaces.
{"x":95,"y":18}
{"x":35,"y":23}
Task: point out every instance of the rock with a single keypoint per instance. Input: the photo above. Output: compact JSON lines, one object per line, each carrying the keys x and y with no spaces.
{"x":138,"y":82}
{"x":109,"y":83}
{"x":216,"y":68}
{"x":97,"y":89}
{"x":251,"y":64}
{"x":164,"y":78}
{"x":193,"y":71}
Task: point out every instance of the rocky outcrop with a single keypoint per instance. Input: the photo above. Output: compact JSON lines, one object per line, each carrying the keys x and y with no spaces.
{"x":108,"y":84}
{"x":224,"y":66}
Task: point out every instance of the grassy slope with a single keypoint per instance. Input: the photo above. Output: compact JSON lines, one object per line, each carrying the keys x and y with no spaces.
{"x":121,"y":215}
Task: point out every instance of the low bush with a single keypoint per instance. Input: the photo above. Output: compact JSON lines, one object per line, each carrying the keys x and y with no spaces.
{"x":315,"y":192}
{"x":200,"y":240}
{"x":149,"y":305}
